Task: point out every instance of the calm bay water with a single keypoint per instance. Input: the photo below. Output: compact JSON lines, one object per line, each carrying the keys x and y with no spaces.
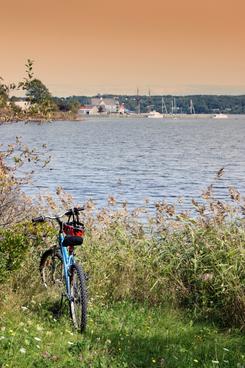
{"x":135,"y":159}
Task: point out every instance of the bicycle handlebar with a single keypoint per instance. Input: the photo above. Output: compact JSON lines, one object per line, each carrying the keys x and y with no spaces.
{"x":70,"y":212}
{"x":74,"y":211}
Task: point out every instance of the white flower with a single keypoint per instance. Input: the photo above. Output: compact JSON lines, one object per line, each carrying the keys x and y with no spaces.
{"x":22,"y":350}
{"x":37,"y":338}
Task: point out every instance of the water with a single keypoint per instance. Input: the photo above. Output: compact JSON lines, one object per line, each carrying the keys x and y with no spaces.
{"x":136,"y":159}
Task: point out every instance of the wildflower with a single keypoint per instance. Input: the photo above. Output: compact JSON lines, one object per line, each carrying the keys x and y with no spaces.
{"x":153,"y":361}
{"x":22,"y":350}
{"x":195,"y":360}
{"x":24,"y":308}
{"x":207,"y":277}
{"x":37,"y":338}
{"x":39,"y":328}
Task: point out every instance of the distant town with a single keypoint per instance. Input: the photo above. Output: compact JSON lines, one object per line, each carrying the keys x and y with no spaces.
{"x":143,"y":104}
{"x":39,"y":104}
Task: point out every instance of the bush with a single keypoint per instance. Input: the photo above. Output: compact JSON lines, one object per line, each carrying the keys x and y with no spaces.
{"x":13,"y":247}
{"x":198,"y":266}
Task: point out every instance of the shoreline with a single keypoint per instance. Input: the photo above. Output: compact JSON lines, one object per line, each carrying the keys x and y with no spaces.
{"x":80,"y":118}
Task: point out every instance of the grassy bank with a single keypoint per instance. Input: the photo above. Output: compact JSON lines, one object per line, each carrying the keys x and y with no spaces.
{"x":8,"y":116}
{"x":157,"y":287}
{"x":121,"y":335}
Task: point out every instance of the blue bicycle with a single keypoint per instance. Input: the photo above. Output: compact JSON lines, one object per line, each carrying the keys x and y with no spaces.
{"x":58,"y":265}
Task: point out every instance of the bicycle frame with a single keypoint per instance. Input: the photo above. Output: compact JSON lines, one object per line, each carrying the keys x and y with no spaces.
{"x":68,"y":261}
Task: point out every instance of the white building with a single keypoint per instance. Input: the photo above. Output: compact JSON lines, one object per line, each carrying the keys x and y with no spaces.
{"x":106,"y":105}
{"x":23,"y":105}
{"x":88,"y":110}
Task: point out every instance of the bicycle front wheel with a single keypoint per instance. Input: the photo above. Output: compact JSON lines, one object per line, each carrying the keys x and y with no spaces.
{"x":78,"y":300}
{"x":51,"y":268}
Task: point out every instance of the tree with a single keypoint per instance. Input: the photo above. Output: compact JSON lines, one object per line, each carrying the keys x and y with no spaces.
{"x":3,"y":94}
{"x":37,"y":93}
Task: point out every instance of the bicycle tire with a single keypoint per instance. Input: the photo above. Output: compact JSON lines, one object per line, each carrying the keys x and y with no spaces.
{"x":78,"y":300}
{"x":50,"y":263}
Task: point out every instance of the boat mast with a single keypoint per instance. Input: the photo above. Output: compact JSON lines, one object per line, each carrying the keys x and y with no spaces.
{"x":192,"y":109}
{"x":138,"y":102}
{"x":172,"y":106}
{"x":164,"y":105}
{"x":175,"y":106}
{"x":149,"y":101}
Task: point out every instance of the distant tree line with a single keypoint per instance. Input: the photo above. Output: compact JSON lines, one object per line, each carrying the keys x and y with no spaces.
{"x":200,"y":104}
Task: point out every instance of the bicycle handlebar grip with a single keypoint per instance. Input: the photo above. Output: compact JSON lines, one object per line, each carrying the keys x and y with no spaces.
{"x":38,"y":219}
{"x":78,"y":209}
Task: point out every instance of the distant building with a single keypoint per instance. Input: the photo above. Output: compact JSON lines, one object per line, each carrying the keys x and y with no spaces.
{"x":105,"y":105}
{"x":23,"y":105}
{"x":88,"y":110}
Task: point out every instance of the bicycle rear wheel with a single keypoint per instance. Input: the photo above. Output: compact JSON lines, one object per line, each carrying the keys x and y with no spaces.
{"x":78,"y":301}
{"x":51,"y":268}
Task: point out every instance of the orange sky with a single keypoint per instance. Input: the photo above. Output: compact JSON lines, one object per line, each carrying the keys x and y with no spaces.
{"x":86,"y":47}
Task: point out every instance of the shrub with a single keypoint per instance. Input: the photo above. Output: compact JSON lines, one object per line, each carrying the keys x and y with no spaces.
{"x":199,"y":266}
{"x":13,"y":247}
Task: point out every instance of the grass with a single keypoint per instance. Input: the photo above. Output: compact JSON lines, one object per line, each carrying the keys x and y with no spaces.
{"x":120,"y":335}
